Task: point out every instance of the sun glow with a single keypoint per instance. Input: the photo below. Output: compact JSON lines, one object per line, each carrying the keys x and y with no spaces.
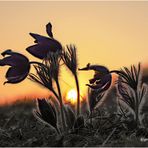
{"x":72,"y":96}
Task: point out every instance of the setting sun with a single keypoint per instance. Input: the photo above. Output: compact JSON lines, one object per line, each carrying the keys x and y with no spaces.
{"x":72,"y":96}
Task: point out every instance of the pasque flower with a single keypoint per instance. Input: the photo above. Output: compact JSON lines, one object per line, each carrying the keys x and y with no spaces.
{"x":44,"y":45}
{"x":102,"y":77}
{"x":19,"y":66}
{"x":46,"y":112}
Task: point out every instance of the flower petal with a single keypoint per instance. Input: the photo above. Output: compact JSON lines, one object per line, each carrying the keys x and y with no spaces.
{"x":6,"y":52}
{"x":44,"y":44}
{"x":85,"y":68}
{"x":19,"y":69}
{"x":38,"y":50}
{"x":15,"y":59}
{"x":98,"y":68}
{"x":49,"y":29}
{"x":41,"y":50}
{"x":48,"y":112}
{"x":97,"y":76}
{"x":16,"y":71}
{"x":39,"y":38}
{"x":103,"y":84}
{"x":16,"y":75}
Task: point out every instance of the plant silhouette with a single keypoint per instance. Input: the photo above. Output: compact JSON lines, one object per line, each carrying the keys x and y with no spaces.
{"x":70,"y":59}
{"x":97,"y":121}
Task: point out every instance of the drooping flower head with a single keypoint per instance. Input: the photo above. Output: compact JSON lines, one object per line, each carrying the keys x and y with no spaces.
{"x":44,"y":45}
{"x":102,"y":77}
{"x":19,"y":66}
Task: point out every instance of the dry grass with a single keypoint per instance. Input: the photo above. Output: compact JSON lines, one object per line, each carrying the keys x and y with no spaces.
{"x":18,"y":127}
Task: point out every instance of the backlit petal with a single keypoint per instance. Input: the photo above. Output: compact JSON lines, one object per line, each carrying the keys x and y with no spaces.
{"x":98,"y":68}
{"x":49,"y":29}
{"x":13,"y":76}
{"x":15,"y":59}
{"x":39,"y":38}
{"x":103,"y":84}
{"x":19,"y":66}
{"x":41,"y":50}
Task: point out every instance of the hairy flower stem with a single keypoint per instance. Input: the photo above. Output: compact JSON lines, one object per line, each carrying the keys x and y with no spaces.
{"x":52,"y":90}
{"x":115,"y":71}
{"x":58,"y":131}
{"x":78,"y":94}
{"x":55,"y":94}
{"x":34,"y":62}
{"x":61,"y":105}
{"x":137,"y":109}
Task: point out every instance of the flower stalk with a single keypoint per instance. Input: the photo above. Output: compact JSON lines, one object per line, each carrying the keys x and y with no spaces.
{"x":78,"y":94}
{"x":61,"y":105}
{"x":70,"y":59}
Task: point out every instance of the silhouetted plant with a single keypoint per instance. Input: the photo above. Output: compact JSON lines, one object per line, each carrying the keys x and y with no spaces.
{"x":70,"y":59}
{"x":129,"y":86}
{"x":102,"y":77}
{"x":45,"y":48}
{"x":100,"y":83}
{"x":131,"y":89}
{"x":19,"y":69}
{"x":131,"y":77}
{"x":94,"y":97}
{"x":49,"y":50}
{"x":45,"y":74}
{"x":43,"y":77}
{"x":55,"y":64}
{"x":44,"y":45}
{"x":19,"y":66}
{"x":47,"y":113}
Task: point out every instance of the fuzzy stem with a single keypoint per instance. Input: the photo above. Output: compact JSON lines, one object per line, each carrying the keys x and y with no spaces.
{"x":78,"y":94}
{"x":61,"y":105}
{"x":137,"y":108}
{"x":55,"y":94}
{"x":58,"y":131}
{"x":115,"y":71}
{"x":34,"y":62}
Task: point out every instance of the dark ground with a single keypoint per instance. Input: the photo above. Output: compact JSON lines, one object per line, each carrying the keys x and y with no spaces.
{"x":18,"y":127}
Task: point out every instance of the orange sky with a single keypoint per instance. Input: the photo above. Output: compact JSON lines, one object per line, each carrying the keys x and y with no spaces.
{"x":114,"y":34}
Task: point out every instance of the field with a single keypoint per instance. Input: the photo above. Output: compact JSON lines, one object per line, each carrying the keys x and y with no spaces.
{"x":115,"y":113}
{"x":19,"y":127}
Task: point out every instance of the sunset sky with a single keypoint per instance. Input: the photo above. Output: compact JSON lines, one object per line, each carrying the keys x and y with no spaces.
{"x":114,"y":34}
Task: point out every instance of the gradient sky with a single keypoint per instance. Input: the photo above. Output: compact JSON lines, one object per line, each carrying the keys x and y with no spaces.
{"x":113,"y":34}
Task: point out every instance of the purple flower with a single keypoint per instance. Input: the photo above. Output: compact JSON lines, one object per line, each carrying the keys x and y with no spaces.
{"x":44,"y":45}
{"x":102,"y":84}
{"x":19,"y":66}
{"x":98,"y":68}
{"x":102,"y":78}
